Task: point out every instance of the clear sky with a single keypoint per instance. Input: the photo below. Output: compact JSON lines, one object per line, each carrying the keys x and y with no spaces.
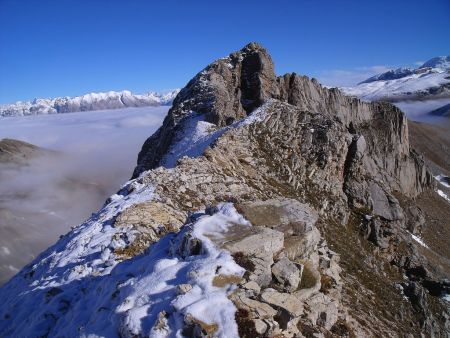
{"x":71,"y":47}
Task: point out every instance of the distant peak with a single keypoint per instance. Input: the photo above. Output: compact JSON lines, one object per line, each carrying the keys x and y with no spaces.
{"x":442,"y":62}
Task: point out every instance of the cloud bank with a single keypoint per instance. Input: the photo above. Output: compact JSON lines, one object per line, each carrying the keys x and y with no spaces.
{"x":96,"y":153}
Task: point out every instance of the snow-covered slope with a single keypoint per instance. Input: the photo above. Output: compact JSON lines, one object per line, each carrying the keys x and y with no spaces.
{"x":88,"y":102}
{"x":81,"y":271}
{"x":429,"y":81}
{"x":442,"y":62}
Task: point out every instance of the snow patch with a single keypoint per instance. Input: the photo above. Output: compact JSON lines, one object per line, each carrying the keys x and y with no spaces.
{"x":443,"y":195}
{"x":196,"y":135}
{"x":444,"y":180}
{"x":192,"y":140}
{"x":419,"y":240}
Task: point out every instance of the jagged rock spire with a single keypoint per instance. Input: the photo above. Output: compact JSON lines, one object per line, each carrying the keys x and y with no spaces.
{"x":229,"y":88}
{"x":225,"y":91}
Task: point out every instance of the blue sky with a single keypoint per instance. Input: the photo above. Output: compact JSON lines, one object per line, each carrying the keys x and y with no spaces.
{"x":71,"y":47}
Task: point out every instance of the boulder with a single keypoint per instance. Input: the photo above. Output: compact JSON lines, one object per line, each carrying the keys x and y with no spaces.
{"x":287,"y":274}
{"x":283,"y":214}
{"x":323,"y":310}
{"x":285,"y":301}
{"x":258,"y":241}
{"x":262,"y":273}
{"x":260,"y":326}
{"x":302,"y":246}
{"x":256,"y":309}
{"x":384,"y":205}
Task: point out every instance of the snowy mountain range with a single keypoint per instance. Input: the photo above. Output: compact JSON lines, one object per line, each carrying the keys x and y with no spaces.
{"x":87,"y":102}
{"x":429,"y":81}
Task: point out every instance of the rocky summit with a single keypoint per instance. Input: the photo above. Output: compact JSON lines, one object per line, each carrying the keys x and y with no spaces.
{"x":264,"y":206}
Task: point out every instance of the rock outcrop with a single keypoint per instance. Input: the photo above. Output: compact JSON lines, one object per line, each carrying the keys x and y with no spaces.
{"x":232,"y":87}
{"x":323,"y":189}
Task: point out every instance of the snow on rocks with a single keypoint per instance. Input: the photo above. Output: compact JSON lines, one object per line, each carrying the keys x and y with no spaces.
{"x":444,"y":180}
{"x":192,"y":140}
{"x":80,"y":295}
{"x":398,"y":89}
{"x":443,"y":195}
{"x":196,"y":135}
{"x":419,"y":240}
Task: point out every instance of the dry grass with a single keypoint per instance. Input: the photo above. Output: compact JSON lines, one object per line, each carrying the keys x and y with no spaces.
{"x":326,"y":283}
{"x":222,"y":280}
{"x":244,"y":261}
{"x":308,"y":278}
{"x":342,"y":329}
{"x":246,"y":326}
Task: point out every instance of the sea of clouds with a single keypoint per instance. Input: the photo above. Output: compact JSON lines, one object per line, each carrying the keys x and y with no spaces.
{"x":95,"y":154}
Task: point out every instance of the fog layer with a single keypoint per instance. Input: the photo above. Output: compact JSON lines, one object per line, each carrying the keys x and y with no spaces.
{"x":96,"y":154}
{"x":418,"y":110}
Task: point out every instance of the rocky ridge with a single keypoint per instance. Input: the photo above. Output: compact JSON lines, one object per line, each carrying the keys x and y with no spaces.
{"x":319,"y":214}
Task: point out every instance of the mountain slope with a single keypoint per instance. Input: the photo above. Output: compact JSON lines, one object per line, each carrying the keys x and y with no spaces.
{"x":294,"y":214}
{"x":443,"y":111}
{"x":88,"y":102}
{"x":15,"y":152}
{"x":429,"y":81}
